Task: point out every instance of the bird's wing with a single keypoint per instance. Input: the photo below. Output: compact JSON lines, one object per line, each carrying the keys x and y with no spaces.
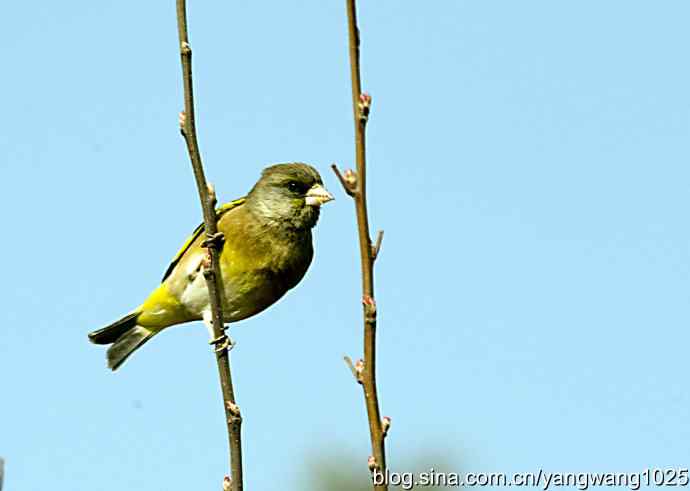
{"x":197,"y":232}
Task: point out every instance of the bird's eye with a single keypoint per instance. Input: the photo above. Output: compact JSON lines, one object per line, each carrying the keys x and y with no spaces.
{"x":293,"y":186}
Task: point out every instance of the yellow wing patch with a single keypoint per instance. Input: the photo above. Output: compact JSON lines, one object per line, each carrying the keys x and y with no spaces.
{"x":197,"y":232}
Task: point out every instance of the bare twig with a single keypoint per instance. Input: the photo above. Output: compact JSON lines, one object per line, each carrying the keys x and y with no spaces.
{"x":377,"y":247}
{"x":349,"y":182}
{"x":213,"y":244}
{"x":351,"y":366}
{"x":354,"y":184}
{"x":356,"y":368}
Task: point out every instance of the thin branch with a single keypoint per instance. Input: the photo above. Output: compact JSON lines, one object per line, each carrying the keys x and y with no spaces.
{"x":213,"y":244}
{"x":376,"y":248}
{"x":355,"y":368}
{"x":354,"y":184}
{"x":349,"y":182}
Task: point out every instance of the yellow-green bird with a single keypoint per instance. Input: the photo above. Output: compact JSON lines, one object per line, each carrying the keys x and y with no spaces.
{"x":266,"y":251}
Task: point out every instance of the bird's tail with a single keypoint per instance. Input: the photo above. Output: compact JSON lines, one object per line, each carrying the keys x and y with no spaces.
{"x":124,"y":335}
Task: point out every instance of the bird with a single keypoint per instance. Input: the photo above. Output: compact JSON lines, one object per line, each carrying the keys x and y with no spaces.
{"x":266,"y":251}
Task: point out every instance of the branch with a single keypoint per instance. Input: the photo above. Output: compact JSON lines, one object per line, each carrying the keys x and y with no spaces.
{"x":354,"y":184}
{"x":212,"y":268}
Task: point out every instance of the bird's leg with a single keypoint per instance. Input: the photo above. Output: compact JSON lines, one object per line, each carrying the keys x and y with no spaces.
{"x":221,"y":342}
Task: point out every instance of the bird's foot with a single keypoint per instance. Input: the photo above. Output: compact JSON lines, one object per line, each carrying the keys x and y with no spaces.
{"x":223,"y":342}
{"x":216,"y":240}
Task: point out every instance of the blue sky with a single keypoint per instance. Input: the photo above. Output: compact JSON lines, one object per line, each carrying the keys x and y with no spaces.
{"x":528,"y":162}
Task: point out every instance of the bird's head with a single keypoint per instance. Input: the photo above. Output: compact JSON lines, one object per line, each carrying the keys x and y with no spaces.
{"x":289,"y":195}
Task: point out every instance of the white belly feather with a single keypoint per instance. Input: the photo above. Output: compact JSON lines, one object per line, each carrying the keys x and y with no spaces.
{"x":194,"y":296}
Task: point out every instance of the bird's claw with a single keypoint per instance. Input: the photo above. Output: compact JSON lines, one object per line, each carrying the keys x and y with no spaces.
{"x":223,"y":342}
{"x":224,"y":346}
{"x":216,"y":239}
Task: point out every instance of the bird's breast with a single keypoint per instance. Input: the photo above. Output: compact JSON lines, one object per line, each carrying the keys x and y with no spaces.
{"x":254,"y":276}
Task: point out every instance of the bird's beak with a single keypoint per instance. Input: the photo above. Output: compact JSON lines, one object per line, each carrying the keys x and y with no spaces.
{"x":317,"y":195}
